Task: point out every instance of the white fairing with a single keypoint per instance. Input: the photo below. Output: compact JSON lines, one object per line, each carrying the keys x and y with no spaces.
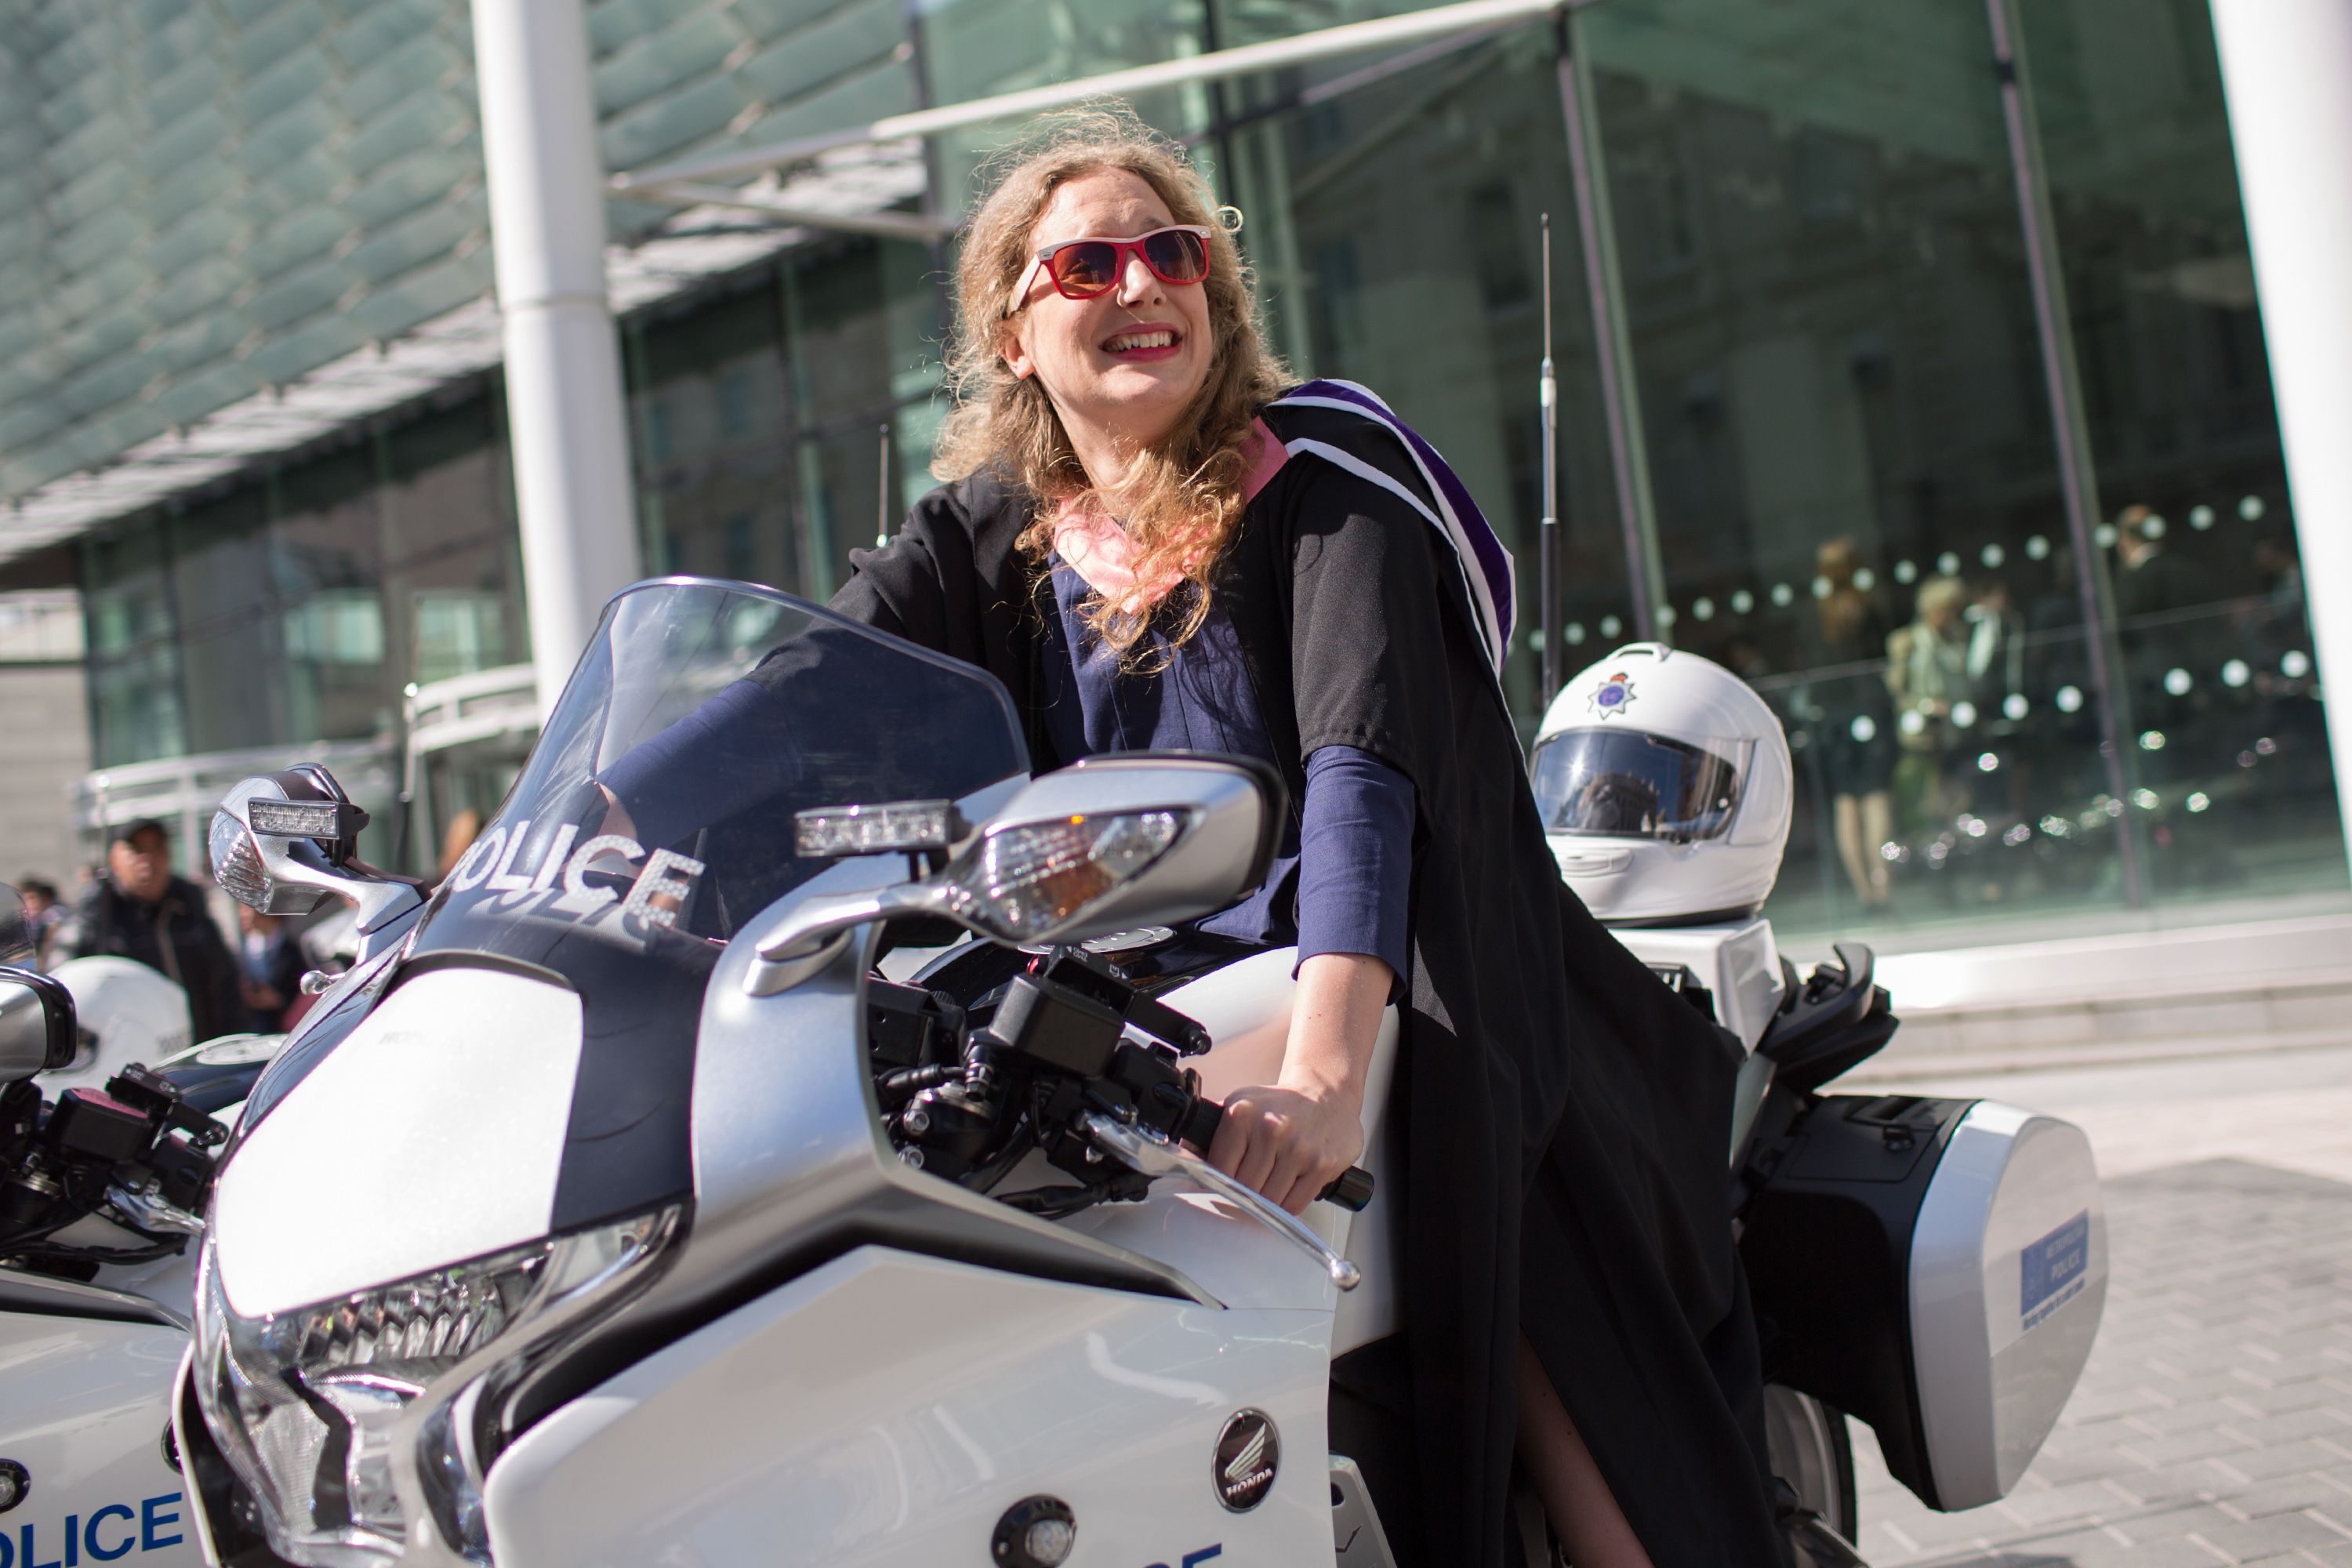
{"x":1738,"y":962}
{"x":135,"y":1014}
{"x":84,"y":1405}
{"x":2008,"y":1276}
{"x":1739,"y":965}
{"x":888,"y":1409}
{"x":1245,"y":1007}
{"x":433,"y":1133}
{"x":170,"y":1281}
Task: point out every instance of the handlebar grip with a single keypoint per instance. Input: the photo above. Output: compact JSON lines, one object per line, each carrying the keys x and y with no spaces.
{"x":1351,"y":1191}
{"x":1200,"y":1125}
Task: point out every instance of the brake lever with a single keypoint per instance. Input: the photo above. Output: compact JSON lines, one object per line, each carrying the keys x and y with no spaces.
{"x":149,"y":1211}
{"x":1153,"y":1153}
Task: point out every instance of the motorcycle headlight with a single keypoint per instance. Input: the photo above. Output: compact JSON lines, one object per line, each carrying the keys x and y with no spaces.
{"x":354,"y":1421}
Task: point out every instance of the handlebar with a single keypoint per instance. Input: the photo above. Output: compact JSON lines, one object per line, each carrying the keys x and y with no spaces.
{"x":1351,"y":1191}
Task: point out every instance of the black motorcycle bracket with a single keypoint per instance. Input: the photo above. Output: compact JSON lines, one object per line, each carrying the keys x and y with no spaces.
{"x":1837,"y":1019}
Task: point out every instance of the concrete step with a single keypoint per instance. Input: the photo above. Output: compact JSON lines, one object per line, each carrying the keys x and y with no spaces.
{"x":2144,"y":996}
{"x":1906,"y":1062}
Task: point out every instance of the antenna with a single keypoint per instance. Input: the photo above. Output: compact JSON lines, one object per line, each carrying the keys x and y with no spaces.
{"x":1548,"y":531}
{"x":882,"y":492}
{"x":399,"y":861}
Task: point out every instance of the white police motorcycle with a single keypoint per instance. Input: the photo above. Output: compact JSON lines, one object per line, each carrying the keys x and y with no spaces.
{"x":98,"y":1197}
{"x":106,"y":1165}
{"x":641,"y":1204}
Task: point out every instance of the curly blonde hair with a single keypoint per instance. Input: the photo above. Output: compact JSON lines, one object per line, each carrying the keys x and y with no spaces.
{"x":1181,"y":498}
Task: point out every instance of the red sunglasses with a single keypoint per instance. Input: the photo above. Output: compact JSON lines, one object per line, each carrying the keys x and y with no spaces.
{"x":1090,"y":267}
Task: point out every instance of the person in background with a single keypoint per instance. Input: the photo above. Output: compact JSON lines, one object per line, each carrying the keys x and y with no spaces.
{"x":2272,"y":631}
{"x":1996,"y":664}
{"x":139,"y":910}
{"x":2149,"y":579}
{"x":2281,"y":571}
{"x":43,"y":913}
{"x":2275,"y":621}
{"x":1929,"y":676}
{"x":270,"y":962}
{"x":1854,"y":736}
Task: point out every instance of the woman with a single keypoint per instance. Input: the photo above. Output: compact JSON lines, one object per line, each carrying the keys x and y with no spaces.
{"x":1931,"y":675}
{"x":1856,"y":733}
{"x":1148,"y":551}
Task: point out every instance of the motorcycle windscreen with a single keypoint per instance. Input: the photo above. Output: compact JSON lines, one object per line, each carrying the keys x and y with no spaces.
{"x":660,"y":797}
{"x":654,"y":818}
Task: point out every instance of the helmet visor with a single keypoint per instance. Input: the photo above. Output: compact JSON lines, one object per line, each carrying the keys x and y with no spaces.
{"x":1625,"y":784}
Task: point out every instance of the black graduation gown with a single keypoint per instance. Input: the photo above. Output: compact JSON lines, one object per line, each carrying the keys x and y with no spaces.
{"x":1565,"y":1118}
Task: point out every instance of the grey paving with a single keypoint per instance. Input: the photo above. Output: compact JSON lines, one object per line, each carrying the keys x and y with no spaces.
{"x":2214,"y":1422}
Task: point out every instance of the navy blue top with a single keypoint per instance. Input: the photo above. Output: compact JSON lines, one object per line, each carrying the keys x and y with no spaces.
{"x":1349,"y":857}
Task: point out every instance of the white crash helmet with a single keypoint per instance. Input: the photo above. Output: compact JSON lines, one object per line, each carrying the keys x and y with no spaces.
{"x":1663,"y":781}
{"x":129,"y":1012}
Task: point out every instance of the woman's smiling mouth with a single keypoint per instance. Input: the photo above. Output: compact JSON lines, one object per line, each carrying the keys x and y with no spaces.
{"x":1146,"y":343}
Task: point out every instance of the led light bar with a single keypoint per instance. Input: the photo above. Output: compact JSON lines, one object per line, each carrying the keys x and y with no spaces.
{"x":829,"y":832}
{"x":305,"y":818}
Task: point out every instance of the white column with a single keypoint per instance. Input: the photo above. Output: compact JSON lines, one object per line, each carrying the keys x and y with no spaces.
{"x":2286,"y":67}
{"x":567,"y":423}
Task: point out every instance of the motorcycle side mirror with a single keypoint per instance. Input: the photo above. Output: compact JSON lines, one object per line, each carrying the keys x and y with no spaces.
{"x":1108,"y":844}
{"x":15,"y":927}
{"x":39,"y":1031}
{"x":285,"y":842}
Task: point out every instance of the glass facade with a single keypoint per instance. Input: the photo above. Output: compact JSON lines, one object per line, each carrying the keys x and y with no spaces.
{"x":294,"y":607}
{"x":297,"y":607}
{"x":2218,"y":692}
{"x":1853,"y":447}
{"x":760,"y":417}
{"x":199,"y":202}
{"x":1837,"y":465}
{"x":1400,"y":251}
{"x":1859,"y":502}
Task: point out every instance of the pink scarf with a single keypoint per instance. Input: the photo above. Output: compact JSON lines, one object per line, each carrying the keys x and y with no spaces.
{"x":1093,"y":544}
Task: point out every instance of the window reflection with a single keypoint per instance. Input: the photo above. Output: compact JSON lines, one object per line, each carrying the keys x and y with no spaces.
{"x":714,"y":417}
{"x":231,"y":647}
{"x":2228,"y":779}
{"x":134,"y":672}
{"x":1411,"y":205}
{"x":452,"y":586}
{"x":1850,"y":446}
{"x":327,"y":578}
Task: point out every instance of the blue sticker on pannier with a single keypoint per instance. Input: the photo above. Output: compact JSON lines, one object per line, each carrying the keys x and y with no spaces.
{"x":2051,"y":1270}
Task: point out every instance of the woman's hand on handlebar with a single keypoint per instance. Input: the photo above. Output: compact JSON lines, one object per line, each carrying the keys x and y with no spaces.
{"x":1293,"y":1138}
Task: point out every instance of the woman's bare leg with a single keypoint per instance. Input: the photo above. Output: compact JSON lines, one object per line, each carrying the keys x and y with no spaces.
{"x":1583,"y":1513}
{"x":1846,"y":820}
{"x":1877,"y":829}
